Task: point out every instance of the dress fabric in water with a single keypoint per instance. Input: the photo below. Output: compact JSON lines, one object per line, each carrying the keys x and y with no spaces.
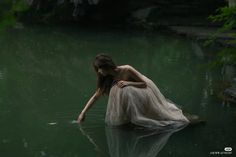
{"x":145,"y":107}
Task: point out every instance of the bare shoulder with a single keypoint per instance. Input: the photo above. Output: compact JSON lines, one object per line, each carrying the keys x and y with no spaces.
{"x":125,"y":71}
{"x":131,"y":72}
{"x":126,"y":67}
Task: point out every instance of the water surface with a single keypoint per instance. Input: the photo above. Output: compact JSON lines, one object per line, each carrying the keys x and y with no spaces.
{"x":46,"y":78}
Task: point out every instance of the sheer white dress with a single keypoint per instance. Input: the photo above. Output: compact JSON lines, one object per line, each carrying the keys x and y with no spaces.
{"x":145,"y":107}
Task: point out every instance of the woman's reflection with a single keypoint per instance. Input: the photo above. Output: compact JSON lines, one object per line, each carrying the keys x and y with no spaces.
{"x":136,"y":142}
{"x":133,"y":141}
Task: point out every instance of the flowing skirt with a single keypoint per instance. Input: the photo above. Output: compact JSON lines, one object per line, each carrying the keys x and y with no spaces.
{"x":145,"y":107}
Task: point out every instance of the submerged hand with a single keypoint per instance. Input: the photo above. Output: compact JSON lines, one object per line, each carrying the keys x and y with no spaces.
{"x":122,"y":84}
{"x":81,"y":118}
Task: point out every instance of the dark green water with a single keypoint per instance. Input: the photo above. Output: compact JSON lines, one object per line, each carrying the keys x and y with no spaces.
{"x":46,"y":78}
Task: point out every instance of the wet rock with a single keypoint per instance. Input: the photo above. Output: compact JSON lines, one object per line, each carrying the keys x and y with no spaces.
{"x":226,"y":90}
{"x":142,"y":14}
{"x":230,"y":93}
{"x":157,"y":11}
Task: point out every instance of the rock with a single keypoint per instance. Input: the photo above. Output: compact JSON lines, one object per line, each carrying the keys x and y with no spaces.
{"x":226,"y":90}
{"x":230,"y":93}
{"x":142,"y":14}
{"x":159,"y":11}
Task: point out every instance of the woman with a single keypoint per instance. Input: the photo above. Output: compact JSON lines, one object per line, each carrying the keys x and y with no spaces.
{"x":133,"y":98}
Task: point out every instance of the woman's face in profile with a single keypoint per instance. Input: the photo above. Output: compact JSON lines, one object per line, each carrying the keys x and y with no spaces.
{"x":103,"y":71}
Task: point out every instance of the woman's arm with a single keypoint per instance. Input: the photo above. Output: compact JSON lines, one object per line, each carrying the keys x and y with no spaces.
{"x":122,"y":84}
{"x":88,"y":105}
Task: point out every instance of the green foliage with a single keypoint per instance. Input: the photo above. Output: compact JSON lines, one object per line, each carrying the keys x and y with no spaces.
{"x":20,"y":5}
{"x":227,"y":55}
{"x":9,"y":10}
{"x":226,"y":15}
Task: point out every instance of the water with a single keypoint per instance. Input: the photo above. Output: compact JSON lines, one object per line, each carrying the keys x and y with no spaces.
{"x":46,"y":77}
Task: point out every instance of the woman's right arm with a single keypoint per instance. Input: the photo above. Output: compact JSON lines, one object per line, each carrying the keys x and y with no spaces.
{"x":89,"y":104}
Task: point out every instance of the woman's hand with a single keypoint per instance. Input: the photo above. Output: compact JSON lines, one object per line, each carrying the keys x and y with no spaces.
{"x":122,"y":84}
{"x":81,"y":117}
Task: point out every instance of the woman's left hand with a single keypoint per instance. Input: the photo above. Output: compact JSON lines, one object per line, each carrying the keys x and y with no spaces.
{"x":122,"y":84}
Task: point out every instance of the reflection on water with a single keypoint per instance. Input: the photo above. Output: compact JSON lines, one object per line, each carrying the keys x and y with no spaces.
{"x":136,"y":143}
{"x":46,"y":77}
{"x":91,"y":140}
{"x":132,"y":141}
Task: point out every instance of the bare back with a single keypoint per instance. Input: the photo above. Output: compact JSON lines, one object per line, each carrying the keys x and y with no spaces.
{"x":126,"y":73}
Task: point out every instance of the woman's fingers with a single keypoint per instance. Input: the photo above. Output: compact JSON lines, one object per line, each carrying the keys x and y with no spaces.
{"x":81,"y":118}
{"x":121,"y":84}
